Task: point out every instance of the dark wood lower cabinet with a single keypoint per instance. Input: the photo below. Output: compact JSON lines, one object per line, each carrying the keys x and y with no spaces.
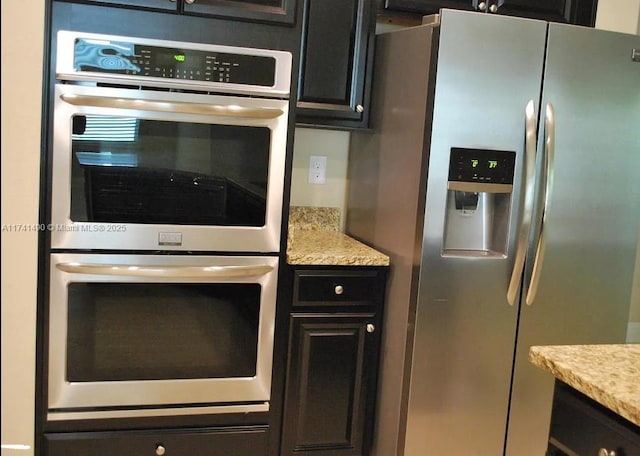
{"x":231,"y":441}
{"x":331,"y":372}
{"x":581,"y":426}
{"x":332,"y":362}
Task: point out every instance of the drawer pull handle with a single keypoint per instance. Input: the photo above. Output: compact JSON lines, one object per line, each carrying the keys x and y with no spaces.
{"x":339,"y":289}
{"x":605,"y":452}
{"x":160,"y":450}
{"x":371,"y":328}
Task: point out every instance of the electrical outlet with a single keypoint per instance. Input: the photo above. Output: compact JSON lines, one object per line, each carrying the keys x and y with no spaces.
{"x":317,"y":169}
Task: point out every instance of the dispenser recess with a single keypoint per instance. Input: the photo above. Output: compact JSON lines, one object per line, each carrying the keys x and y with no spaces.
{"x":480,"y":186}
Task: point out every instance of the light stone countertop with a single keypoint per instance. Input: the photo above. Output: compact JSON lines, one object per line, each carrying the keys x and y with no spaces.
{"x":314,"y":239}
{"x":608,"y":374}
{"x":319,"y":247}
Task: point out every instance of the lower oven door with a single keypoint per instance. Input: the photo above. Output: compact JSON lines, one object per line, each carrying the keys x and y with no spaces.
{"x":148,"y":335}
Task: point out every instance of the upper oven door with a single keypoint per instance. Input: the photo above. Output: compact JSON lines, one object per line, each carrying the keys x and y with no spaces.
{"x":137,"y":169}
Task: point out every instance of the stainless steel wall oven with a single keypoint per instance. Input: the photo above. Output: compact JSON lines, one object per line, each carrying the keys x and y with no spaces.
{"x":167,"y":181}
{"x":168,"y":145}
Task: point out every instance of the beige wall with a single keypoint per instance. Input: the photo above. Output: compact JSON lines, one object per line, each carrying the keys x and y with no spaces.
{"x":619,"y":16}
{"x":333,"y":144}
{"x":22,"y":40}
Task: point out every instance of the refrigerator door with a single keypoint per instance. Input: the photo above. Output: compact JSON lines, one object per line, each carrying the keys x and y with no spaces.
{"x":489,"y":68}
{"x":591,"y":229}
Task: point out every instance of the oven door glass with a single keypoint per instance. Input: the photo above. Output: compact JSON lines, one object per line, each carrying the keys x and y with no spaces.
{"x":130,"y":165}
{"x":157,"y":331}
{"x":128,"y":170}
{"x":145,"y":332}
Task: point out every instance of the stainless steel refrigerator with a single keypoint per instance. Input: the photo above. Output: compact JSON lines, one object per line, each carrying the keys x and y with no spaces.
{"x":502,"y":176}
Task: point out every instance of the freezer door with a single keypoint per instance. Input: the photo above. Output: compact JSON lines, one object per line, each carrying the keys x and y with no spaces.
{"x":591,"y":224}
{"x":489,"y":68}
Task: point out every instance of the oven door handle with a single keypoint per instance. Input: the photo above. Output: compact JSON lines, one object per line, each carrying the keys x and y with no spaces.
{"x":180,"y":107}
{"x":166,"y":271}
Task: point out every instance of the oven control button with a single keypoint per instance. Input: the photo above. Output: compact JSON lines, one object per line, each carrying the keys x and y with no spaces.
{"x":160,"y":450}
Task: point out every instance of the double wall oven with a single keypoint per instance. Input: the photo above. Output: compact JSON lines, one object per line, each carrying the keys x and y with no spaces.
{"x":167,"y":180}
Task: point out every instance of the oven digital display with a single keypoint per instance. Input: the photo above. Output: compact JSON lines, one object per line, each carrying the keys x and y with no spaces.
{"x":117,"y":57}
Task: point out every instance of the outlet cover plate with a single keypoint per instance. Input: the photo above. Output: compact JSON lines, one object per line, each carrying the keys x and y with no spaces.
{"x":317,"y":169}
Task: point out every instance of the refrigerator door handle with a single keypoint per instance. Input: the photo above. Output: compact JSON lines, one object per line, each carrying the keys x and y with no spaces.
{"x":549,"y":155}
{"x":527,"y":211}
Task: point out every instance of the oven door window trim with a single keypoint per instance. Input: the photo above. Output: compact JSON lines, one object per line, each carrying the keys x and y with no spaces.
{"x":71,"y":396}
{"x":69,"y":234}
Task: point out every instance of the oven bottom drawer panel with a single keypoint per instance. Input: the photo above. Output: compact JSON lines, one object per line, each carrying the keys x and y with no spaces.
{"x":236,"y":441}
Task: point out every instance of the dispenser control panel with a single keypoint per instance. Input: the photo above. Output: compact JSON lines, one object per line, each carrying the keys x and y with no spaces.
{"x":481,"y":166}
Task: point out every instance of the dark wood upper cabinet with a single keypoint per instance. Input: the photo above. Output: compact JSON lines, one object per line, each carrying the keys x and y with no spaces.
{"x":579,"y":12}
{"x":281,"y":11}
{"x":335,"y":63}
{"x":269,"y":11}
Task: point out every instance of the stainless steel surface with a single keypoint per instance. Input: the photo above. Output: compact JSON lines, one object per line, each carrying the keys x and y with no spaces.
{"x":465,"y":330}
{"x":176,"y":107}
{"x":525,"y":217}
{"x":593,"y":215}
{"x":65,"y":68}
{"x":168,"y":271}
{"x":472,"y":388}
{"x":391,"y":221}
{"x":86,"y":235}
{"x":548,"y":160}
{"x":476,"y":230}
{"x":479,"y":187}
{"x":139,"y":394}
{"x":150,"y":412}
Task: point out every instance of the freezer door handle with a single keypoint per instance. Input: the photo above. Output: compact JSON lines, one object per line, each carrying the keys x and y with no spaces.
{"x":527,"y":210}
{"x":548,"y":161}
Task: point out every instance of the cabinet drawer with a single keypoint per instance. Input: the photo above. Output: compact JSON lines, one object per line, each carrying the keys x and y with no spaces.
{"x":236,"y":441}
{"x":581,"y":426}
{"x":314,"y":288}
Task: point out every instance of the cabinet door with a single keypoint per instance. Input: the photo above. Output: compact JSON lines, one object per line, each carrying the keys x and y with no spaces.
{"x":336,"y":63}
{"x":580,"y":425}
{"x":278,"y":11}
{"x":428,"y":6}
{"x":171,"y":5}
{"x":236,"y":441}
{"x":580,"y":12}
{"x":330,"y":388}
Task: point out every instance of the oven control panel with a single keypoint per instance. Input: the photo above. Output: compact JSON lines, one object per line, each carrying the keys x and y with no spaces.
{"x":173,"y":63}
{"x":84,"y":56}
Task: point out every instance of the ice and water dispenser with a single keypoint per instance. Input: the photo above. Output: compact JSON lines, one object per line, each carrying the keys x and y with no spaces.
{"x":479,"y":190}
